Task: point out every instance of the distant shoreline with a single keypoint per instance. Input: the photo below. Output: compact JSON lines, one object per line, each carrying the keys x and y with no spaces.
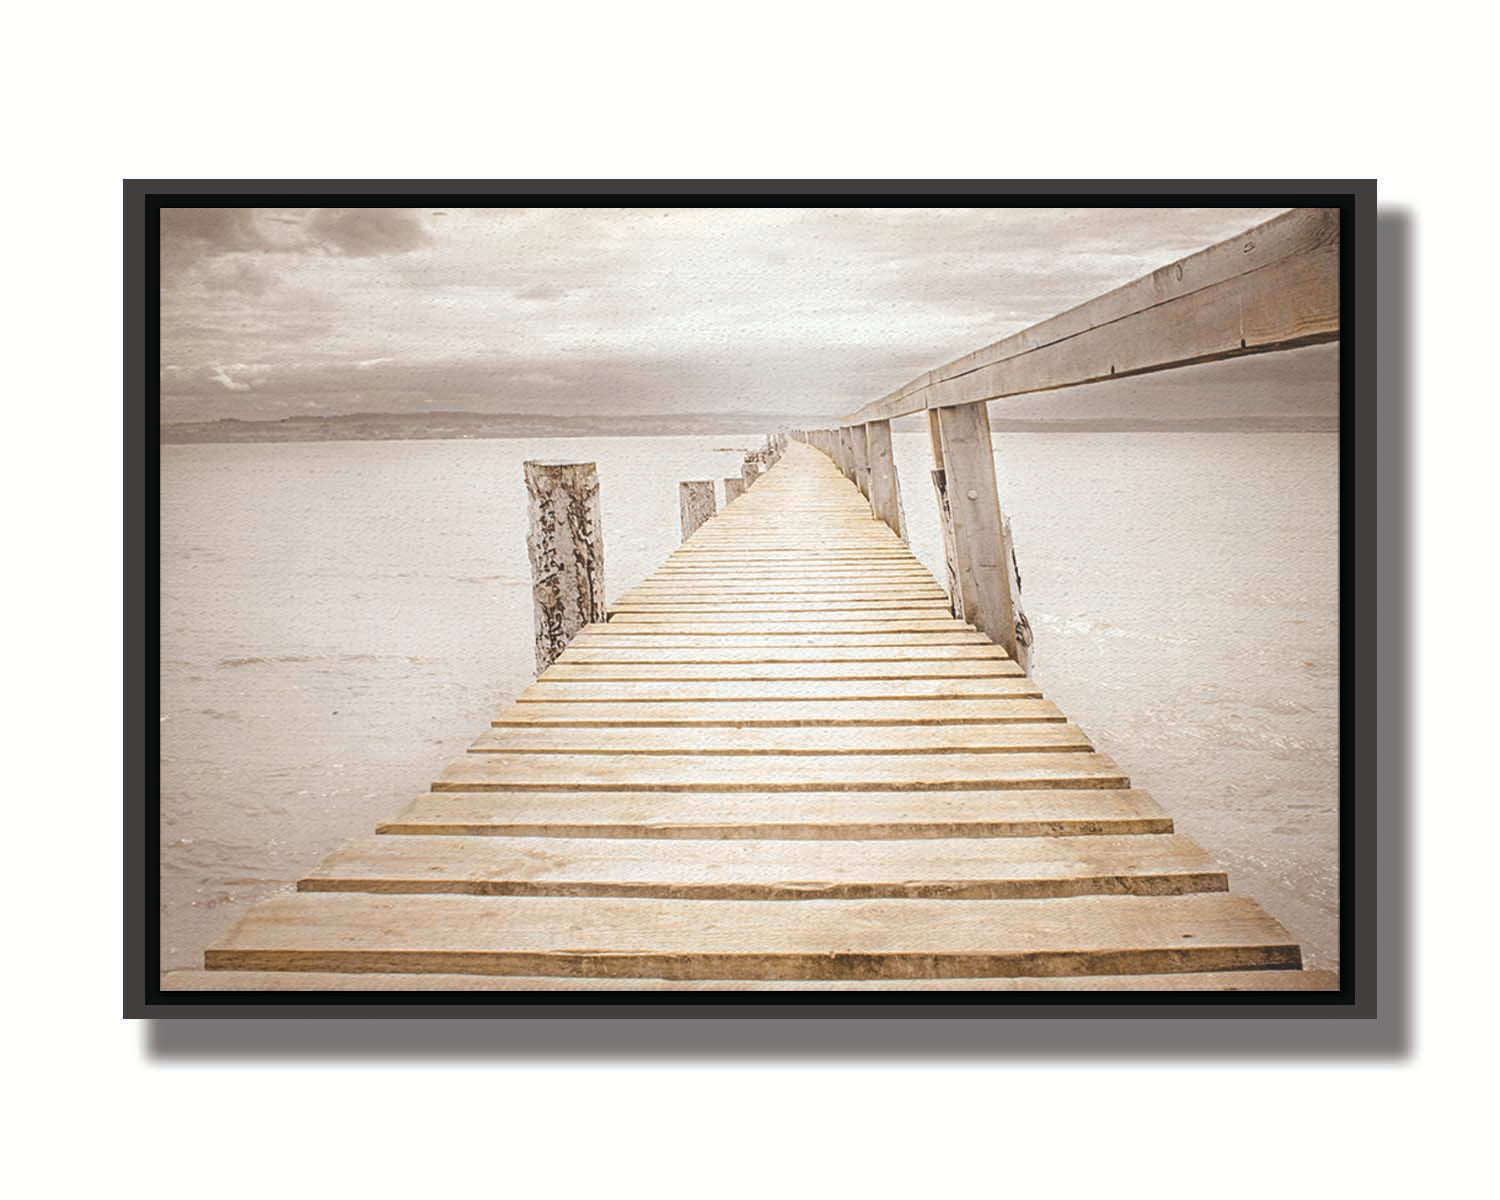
{"x":463,"y":426}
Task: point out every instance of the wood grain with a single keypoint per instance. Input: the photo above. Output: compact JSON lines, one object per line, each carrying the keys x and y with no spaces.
{"x":951,"y":869}
{"x":727,"y":939}
{"x":783,"y":816}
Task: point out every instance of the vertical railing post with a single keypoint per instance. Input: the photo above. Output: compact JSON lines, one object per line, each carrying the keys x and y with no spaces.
{"x":860,"y":454}
{"x":734,"y":487}
{"x":885,"y":484}
{"x":695,"y":500}
{"x":978,"y":567}
{"x":945,"y":514}
{"x":846,"y":452}
{"x":565,"y":541}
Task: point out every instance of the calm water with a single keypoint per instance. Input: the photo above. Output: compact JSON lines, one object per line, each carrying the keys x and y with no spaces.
{"x":340,"y":619}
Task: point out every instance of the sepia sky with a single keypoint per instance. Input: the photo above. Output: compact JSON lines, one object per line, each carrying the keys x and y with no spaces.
{"x":795,"y":313}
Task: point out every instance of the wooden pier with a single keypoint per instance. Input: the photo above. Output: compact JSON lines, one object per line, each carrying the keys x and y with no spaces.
{"x":782,"y":763}
{"x":791,"y":758}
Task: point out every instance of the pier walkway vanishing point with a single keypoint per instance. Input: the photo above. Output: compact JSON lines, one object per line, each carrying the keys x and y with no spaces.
{"x":781,"y":764}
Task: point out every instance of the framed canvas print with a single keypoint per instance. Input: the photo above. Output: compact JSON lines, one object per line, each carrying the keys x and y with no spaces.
{"x":770,"y":598}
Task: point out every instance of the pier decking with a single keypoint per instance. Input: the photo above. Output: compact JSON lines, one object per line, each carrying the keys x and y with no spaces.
{"x":781,"y":764}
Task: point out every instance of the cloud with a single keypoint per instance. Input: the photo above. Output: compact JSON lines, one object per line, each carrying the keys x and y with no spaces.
{"x":213,"y":230}
{"x":236,"y":274}
{"x":572,"y":310}
{"x":190,"y":236}
{"x":214,"y":378}
{"x":367,"y":232}
{"x":233,"y":249}
{"x":233,"y":385}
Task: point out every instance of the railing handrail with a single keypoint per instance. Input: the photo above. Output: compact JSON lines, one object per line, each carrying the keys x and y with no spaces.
{"x":1272,"y":287}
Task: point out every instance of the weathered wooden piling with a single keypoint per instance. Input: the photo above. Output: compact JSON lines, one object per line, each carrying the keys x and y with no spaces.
{"x":972,"y":502}
{"x":885,"y":484}
{"x":733,"y":486}
{"x":749,"y":472}
{"x":845,"y":458}
{"x":1024,"y":636}
{"x":565,"y":541}
{"x":695,"y":498}
{"x":860,"y":454}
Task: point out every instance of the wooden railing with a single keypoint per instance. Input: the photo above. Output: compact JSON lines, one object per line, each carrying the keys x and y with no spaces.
{"x":1273,"y":287}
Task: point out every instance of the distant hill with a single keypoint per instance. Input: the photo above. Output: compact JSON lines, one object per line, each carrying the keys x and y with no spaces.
{"x":385,"y":427}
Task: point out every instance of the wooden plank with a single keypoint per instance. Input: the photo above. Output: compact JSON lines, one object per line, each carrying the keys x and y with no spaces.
{"x":761,"y":562}
{"x":843,"y":551}
{"x":775,"y":713}
{"x":932,"y":619}
{"x":711,"y":547}
{"x":931,"y":869}
{"x":788,"y":626}
{"x":846,"y":553}
{"x":860,"y":572}
{"x":797,"y":508}
{"x":683,"y":609}
{"x":797,"y":687}
{"x":889,"y":596}
{"x":1283,"y":306}
{"x":772,"y":592}
{"x":320,"y":981}
{"x":826,"y":655}
{"x":799,"y":773}
{"x":1040,"y":738}
{"x":805,"y":563}
{"x":746,"y":528}
{"x":707,"y":553}
{"x":718,"y":620}
{"x":859,"y":588}
{"x":778,"y":597}
{"x":758,"y":562}
{"x":788,"y":578}
{"x":862,"y":939}
{"x":1272,"y":287}
{"x":627,"y":639}
{"x":908,"y":582}
{"x":992,"y":668}
{"x":872,"y":541}
{"x":692,"y":583}
{"x":807,"y":559}
{"x":845,"y":816}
